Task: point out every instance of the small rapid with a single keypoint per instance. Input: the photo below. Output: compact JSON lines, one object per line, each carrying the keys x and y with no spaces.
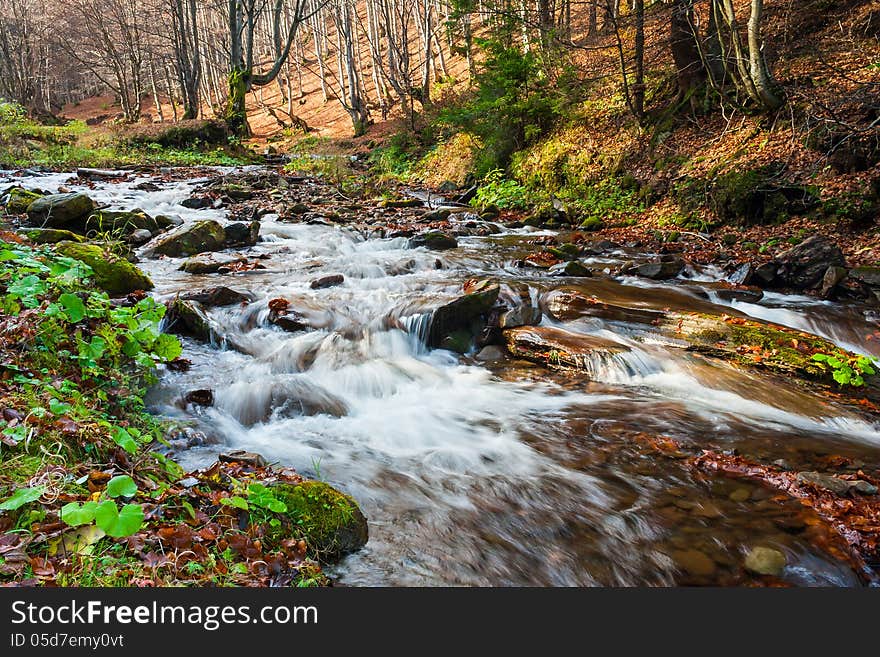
{"x":496,"y":471}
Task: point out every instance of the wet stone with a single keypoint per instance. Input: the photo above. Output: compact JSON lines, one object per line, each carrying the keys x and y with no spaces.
{"x":826,"y":482}
{"x":765,"y":561}
{"x":327,"y":281}
{"x":740,"y":495}
{"x":694,"y":562}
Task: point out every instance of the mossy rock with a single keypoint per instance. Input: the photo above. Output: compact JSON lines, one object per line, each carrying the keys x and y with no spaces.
{"x":330,"y":522}
{"x":113,"y":274}
{"x":59,"y":210}
{"x":454,"y":325}
{"x":434,"y":240}
{"x":592,"y":224}
{"x":187,"y":318}
{"x":18,"y":199}
{"x":49,"y":235}
{"x":112,"y":221}
{"x":190,"y":239}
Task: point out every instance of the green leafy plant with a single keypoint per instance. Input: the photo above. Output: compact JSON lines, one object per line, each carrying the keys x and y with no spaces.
{"x":21,"y":497}
{"x":846,"y":369}
{"x":107,"y":516}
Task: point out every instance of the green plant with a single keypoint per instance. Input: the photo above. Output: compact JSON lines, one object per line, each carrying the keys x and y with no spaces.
{"x":501,"y":192}
{"x":845,"y":369}
{"x":258,"y":500}
{"x":109,"y":518}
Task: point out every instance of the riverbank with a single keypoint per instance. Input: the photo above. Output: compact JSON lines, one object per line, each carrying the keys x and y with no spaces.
{"x":89,"y":494}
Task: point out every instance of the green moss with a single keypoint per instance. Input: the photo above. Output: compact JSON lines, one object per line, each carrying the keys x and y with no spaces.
{"x":330,"y":522}
{"x":50,"y":235}
{"x":19,"y":199}
{"x":112,"y":274}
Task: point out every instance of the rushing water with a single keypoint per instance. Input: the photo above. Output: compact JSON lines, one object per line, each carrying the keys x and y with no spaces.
{"x":500,"y":473}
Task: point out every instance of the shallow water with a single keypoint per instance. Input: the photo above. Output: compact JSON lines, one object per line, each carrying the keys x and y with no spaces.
{"x":502,"y":473}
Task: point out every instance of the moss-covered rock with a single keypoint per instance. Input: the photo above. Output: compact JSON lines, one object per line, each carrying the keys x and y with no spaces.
{"x":18,"y":199}
{"x":49,"y":235}
{"x":435,"y":240}
{"x":455,"y":324}
{"x":113,"y":221}
{"x":59,"y":210}
{"x":330,"y":522}
{"x":190,"y":239}
{"x":187,"y":318}
{"x":113,"y":274}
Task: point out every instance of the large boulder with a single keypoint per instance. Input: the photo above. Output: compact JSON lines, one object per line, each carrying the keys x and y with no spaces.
{"x":115,"y":275}
{"x":190,"y":239}
{"x":803,"y":266}
{"x":59,"y":210}
{"x":455,"y":324}
{"x":330,"y":522}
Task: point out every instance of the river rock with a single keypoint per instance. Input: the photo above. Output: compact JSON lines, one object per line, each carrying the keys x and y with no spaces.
{"x":742,"y":274}
{"x":190,"y":239}
{"x":694,"y":562}
{"x":113,"y":274}
{"x":570,"y":268}
{"x":455,"y":324}
{"x":558,"y":348}
{"x":401,"y":203}
{"x":331,"y":522}
{"x":210,"y":263}
{"x":49,"y":235}
{"x":765,"y":274}
{"x":113,"y":221}
{"x":765,"y":561}
{"x":436,"y":215}
{"x":434,"y":240}
{"x":825,"y":482}
{"x":660,"y":270}
{"x":746,"y":294}
{"x":327,"y":281}
{"x":59,"y":210}
{"x":490,"y":353}
{"x":17,"y":200}
{"x":242,"y":234}
{"x":518,"y":309}
{"x":197,"y":202}
{"x":216,"y":297}
{"x":203,"y":397}
{"x":833,"y":276}
{"x":187,"y":318}
{"x":804,"y":266}
{"x":139,"y":237}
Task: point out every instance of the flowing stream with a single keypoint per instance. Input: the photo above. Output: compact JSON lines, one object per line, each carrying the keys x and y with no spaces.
{"x":499,"y":472}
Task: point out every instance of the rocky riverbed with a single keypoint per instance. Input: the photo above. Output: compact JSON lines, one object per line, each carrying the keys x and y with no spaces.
{"x":511,"y":401}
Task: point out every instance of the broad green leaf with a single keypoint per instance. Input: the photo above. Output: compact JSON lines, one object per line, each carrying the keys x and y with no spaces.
{"x":122,"y":438}
{"x":277,"y":506}
{"x":236,"y":501}
{"x":131,"y":348}
{"x":76,"y":514}
{"x":820,"y":357}
{"x":119,"y":523}
{"x":122,"y":486}
{"x":74,"y":308}
{"x":167,"y":347}
{"x":842,"y":377}
{"x":21,"y":497}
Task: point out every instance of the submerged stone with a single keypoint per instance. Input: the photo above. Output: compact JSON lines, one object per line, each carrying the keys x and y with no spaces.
{"x":765,"y":561}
